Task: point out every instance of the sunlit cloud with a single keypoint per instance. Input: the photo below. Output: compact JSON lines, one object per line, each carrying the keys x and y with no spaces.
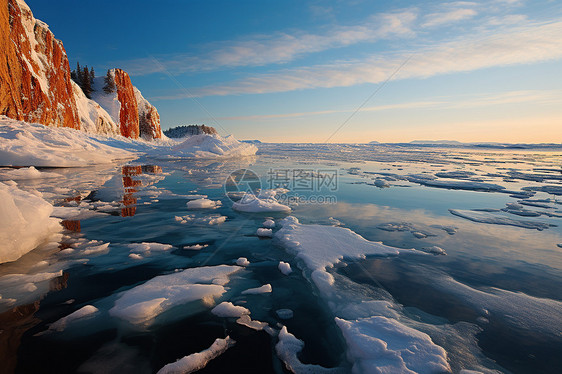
{"x":443,"y":18}
{"x":530,"y":43}
{"x":261,"y":50}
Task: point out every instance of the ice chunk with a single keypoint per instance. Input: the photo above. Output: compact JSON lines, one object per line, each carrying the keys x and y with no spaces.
{"x":203,"y":204}
{"x":242,"y":261}
{"x":285,"y":268}
{"x":266,"y":288}
{"x":213,"y":219}
{"x":141,"y":304}
{"x":435,"y":250}
{"x":489,"y":217}
{"x":195,"y":197}
{"x":197,"y":361}
{"x":147,"y":247}
{"x":245,"y":320}
{"x":82,"y":313}
{"x":384,"y":345}
{"x":96,"y":249}
{"x":25,"y":222}
{"x":381,"y":183}
{"x":26,"y":173}
{"x":196,"y":247}
{"x":252,"y":204}
{"x":227,"y":309}
{"x":284,"y":313}
{"x":264,"y":232}
{"x":269,"y":223}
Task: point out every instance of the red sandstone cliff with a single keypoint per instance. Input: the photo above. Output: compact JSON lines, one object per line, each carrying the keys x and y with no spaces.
{"x":35,"y":83}
{"x":34,"y":72}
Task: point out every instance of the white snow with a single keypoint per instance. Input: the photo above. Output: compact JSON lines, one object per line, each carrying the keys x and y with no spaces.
{"x":26,"y":173}
{"x":25,"y":144}
{"x":490,"y":217}
{"x":147,"y":247}
{"x":227,"y":309}
{"x":213,"y":146}
{"x":96,"y":118}
{"x":25,"y":222}
{"x":252,"y":204}
{"x":141,"y":304}
{"x":384,"y":345}
{"x":203,"y":203}
{"x":242,"y":261}
{"x":266,"y":288}
{"x":285,"y":268}
{"x":80,"y":314}
{"x":268,"y":223}
{"x":197,"y":361}
{"x":264,"y":232}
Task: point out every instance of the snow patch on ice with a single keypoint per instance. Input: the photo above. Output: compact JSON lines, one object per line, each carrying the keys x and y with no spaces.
{"x":266,"y":288}
{"x":203,"y":203}
{"x":227,"y":309}
{"x":253,"y":204}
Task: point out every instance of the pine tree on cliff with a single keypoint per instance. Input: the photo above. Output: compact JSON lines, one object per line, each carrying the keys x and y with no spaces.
{"x":86,"y":84}
{"x":78,"y":74}
{"x":92,"y":76}
{"x":109,"y":86}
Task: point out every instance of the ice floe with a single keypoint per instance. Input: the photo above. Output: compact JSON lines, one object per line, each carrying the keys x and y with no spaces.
{"x":268,"y":223}
{"x":285,"y":268}
{"x":26,"y":173}
{"x":491,"y":218}
{"x":383,"y":345}
{"x":203,"y":203}
{"x":227,"y":309}
{"x":80,"y":314}
{"x":266,"y":288}
{"x":253,"y":204}
{"x":268,"y":233}
{"x":245,"y":320}
{"x":242,"y":261}
{"x":212,"y":146}
{"x":25,"y":222}
{"x":141,"y":304}
{"x":197,"y":361}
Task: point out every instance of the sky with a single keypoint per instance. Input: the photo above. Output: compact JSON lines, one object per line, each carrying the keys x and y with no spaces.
{"x":331,"y":71}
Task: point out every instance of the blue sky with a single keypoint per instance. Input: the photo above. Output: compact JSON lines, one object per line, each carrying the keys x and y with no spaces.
{"x":296,"y":71}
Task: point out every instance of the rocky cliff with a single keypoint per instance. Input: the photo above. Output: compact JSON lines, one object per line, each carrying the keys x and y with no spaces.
{"x":35,"y":84}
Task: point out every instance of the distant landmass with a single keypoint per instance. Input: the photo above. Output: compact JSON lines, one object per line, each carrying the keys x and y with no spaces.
{"x":189,"y":130}
{"x":253,"y":141}
{"x":447,"y":142}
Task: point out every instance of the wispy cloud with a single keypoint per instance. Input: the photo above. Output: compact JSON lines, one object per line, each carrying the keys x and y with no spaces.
{"x":443,"y":18}
{"x":525,"y":44}
{"x":260,"y":50}
{"x":474,"y":101}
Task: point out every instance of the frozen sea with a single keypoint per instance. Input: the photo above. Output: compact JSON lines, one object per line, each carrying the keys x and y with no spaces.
{"x":155,"y":265}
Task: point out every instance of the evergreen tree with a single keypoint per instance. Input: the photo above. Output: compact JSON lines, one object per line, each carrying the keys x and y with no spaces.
{"x":109,"y":86}
{"x":92,"y":74}
{"x":86,"y":83}
{"x":78,"y":74}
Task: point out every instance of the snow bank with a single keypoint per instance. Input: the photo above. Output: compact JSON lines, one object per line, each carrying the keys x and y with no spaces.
{"x":26,"y":173}
{"x":82,"y":313}
{"x":25,"y":222}
{"x":490,"y":217}
{"x":197,"y":361}
{"x":24,"y":144}
{"x":384,"y":345}
{"x":213,"y":146}
{"x":227,"y":309}
{"x":141,"y":304}
{"x":252,"y":204}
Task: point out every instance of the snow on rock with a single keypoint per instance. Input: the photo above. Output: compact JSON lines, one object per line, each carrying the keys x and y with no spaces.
{"x":197,"y":361}
{"x":25,"y":144}
{"x":94,"y":119}
{"x":141,"y":304}
{"x":285,"y":268}
{"x":384,"y":345}
{"x":264,"y":232}
{"x":266,"y":288}
{"x":227,"y":309}
{"x":80,"y":314}
{"x":213,"y":146}
{"x":128,"y":112}
{"x":26,"y":173}
{"x":149,"y":119}
{"x":25,"y":222}
{"x":491,"y":218}
{"x":242,"y":261}
{"x":203,"y":203}
{"x":252,"y":204}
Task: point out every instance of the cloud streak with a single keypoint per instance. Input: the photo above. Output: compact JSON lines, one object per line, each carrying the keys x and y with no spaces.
{"x":261,"y":50}
{"x":530,"y":43}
